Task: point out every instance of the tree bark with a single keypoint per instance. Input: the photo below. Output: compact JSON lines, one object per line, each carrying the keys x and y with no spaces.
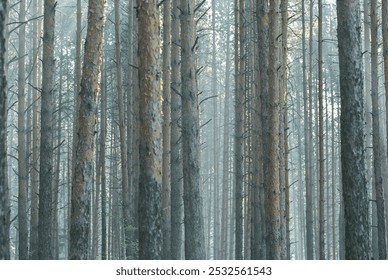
{"x":273,"y":238}
{"x":354,"y":191}
{"x":150,"y":185}
{"x":166,"y":191}
{"x":47,"y":127}
{"x":175,"y":144}
{"x":377,"y":149}
{"x":194,"y":228}
{"x":83,"y":173}
{"x":4,"y":199}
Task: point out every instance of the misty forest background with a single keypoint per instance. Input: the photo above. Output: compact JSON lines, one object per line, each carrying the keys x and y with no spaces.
{"x":183,"y":129}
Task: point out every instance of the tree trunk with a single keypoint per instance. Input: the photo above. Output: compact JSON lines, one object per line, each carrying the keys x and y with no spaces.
{"x":175,"y":144}
{"x":4,"y":199}
{"x":194,"y":229}
{"x":102,"y":163}
{"x":47,"y":126}
{"x":83,"y":172}
{"x":150,"y":184}
{"x":321,"y":139}
{"x":273,"y":238}
{"x":22,"y":155}
{"x":384,"y":26}
{"x":377,"y":148}
{"x":166,"y":191}
{"x":355,"y":194}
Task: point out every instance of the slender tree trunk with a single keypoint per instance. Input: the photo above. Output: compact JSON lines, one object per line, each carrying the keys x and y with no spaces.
{"x":194,"y":229}
{"x":309,"y":187}
{"x":35,"y":139}
{"x":239,"y":132}
{"x":47,"y":126}
{"x":150,"y":207}
{"x":321,"y":139}
{"x":377,"y":149}
{"x":166,"y":191}
{"x":102,"y":163}
{"x":83,"y":173}
{"x":384,"y":26}
{"x":273,"y":214}
{"x":175,"y":144}
{"x":22,"y":155}
{"x":4,"y":199}
{"x":355,"y":194}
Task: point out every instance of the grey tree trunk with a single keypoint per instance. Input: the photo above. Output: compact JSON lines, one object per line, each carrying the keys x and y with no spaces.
{"x":166,"y":191}
{"x":84,"y":154}
{"x":321,"y":139}
{"x":273,"y":238}
{"x":150,"y":184}
{"x":377,"y":149}
{"x":194,"y":227}
{"x":102,"y":163}
{"x":239,"y":128}
{"x":47,"y":127}
{"x":355,"y":194}
{"x":33,"y":252}
{"x":22,"y":155}
{"x":4,"y":199}
{"x":175,"y":144}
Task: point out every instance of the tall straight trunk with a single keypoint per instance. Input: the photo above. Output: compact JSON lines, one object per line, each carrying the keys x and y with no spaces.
{"x":238,"y":130}
{"x":194,"y":228}
{"x":321,"y":138}
{"x":377,"y":148}
{"x":4,"y":199}
{"x":150,"y":184}
{"x":273,"y":240}
{"x":166,"y":191}
{"x":33,"y":252}
{"x":216,"y":224}
{"x":309,"y":187}
{"x":83,"y":173}
{"x":175,"y":142}
{"x":123,"y":143}
{"x":333,"y":177}
{"x":22,"y":155}
{"x":47,"y":127}
{"x":102,"y":163}
{"x":354,"y":192}
{"x":262,"y":66}
{"x":225,"y":163}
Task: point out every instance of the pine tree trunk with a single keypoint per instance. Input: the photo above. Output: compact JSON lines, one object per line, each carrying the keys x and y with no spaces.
{"x":166,"y":191}
{"x":4,"y":199}
{"x":150,"y":185}
{"x":22,"y":156}
{"x":47,"y":127}
{"x":175,"y":144}
{"x":354,"y":191}
{"x":102,"y":163}
{"x":194,"y":227}
{"x":273,"y":238}
{"x":84,"y":154}
{"x":377,"y":149}
{"x":321,"y":139}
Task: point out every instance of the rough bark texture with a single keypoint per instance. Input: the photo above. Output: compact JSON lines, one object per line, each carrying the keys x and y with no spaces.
{"x":238,"y":132}
{"x":259,"y":209}
{"x":102,"y":163}
{"x":175,"y":144}
{"x":273,"y":238}
{"x":150,"y":184}
{"x":35,"y":141}
{"x":47,"y":127}
{"x":377,"y":148}
{"x":4,"y":199}
{"x":166,"y":192}
{"x":354,"y":192}
{"x":84,"y":154}
{"x":321,"y":139}
{"x":194,"y":227}
{"x":22,"y":155}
